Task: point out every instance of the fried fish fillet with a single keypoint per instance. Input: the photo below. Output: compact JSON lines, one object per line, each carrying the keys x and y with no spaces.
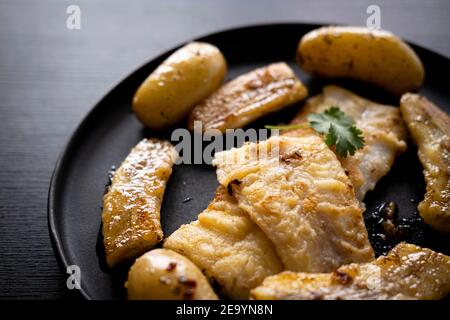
{"x":296,"y":191}
{"x":383,"y":130}
{"x":131,"y":207}
{"x":231,"y":250}
{"x":249,"y":97}
{"x":430,"y":129}
{"x":407,"y":272}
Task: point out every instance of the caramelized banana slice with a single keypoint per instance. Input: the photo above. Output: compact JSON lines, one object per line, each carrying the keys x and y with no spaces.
{"x":383,"y":130}
{"x":407,"y":272}
{"x":227,"y":246}
{"x":296,"y":191}
{"x":249,"y":97}
{"x":131,"y":217}
{"x":430,"y":129}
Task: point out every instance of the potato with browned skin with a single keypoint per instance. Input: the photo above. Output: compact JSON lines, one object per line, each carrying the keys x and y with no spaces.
{"x":374,"y":56}
{"x":184,"y":79}
{"x":163,"y":274}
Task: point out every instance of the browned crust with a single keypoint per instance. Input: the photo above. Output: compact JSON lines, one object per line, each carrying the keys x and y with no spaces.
{"x":249,"y":97}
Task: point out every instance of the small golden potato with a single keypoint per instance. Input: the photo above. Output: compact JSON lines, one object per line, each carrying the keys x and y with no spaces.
{"x":188,"y":76}
{"x":162,"y":274}
{"x":373,"y":56}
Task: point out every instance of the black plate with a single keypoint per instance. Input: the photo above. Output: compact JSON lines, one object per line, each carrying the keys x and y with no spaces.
{"x":110,"y":130}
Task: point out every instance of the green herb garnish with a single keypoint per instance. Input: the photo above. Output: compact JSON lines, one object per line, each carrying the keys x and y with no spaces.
{"x":288,"y":126}
{"x":339,"y":130}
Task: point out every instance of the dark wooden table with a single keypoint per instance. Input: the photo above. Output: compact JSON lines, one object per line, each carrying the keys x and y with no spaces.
{"x":50,"y":77}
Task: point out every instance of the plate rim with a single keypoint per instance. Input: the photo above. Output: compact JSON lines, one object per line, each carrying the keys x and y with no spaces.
{"x":56,"y":176}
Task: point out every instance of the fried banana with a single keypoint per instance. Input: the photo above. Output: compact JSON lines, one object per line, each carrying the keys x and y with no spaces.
{"x":383,"y":130}
{"x":232,"y":251}
{"x":131,"y":207}
{"x":296,"y":191}
{"x":249,"y":97}
{"x":407,"y":272}
{"x":430,"y":129}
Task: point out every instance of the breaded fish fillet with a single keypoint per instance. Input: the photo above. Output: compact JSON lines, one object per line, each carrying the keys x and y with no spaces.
{"x":383,"y":130}
{"x":296,"y":191}
{"x":430,"y":129}
{"x":407,"y":272}
{"x":231,"y":250}
{"x":249,"y":97}
{"x":131,"y":207}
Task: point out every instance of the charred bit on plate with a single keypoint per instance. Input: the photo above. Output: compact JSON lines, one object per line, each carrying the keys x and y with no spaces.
{"x":111,"y":173}
{"x":186,"y":200}
{"x":386,"y":229}
{"x":235,"y":182}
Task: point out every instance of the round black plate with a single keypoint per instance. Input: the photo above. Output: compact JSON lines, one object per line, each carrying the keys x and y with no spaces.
{"x":110,"y":130}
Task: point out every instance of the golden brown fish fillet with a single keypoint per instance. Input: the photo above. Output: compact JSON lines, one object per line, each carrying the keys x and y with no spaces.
{"x":383,"y":130}
{"x":231,"y":250}
{"x":131,"y":207}
{"x":296,"y":191}
{"x":407,"y":272}
{"x":430,"y":129}
{"x":249,"y":97}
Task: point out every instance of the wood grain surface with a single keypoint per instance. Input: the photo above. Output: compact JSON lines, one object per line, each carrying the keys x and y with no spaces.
{"x":50,"y":77}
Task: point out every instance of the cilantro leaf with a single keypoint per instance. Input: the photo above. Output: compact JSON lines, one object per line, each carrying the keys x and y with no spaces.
{"x":340,"y":130}
{"x":321,"y":121}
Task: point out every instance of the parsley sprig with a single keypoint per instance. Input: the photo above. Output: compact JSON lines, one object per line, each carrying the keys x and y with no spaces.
{"x":339,"y":129}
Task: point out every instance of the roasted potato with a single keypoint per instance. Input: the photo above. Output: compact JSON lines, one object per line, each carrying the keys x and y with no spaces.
{"x":188,"y":76}
{"x":163,"y":274}
{"x":373,"y":56}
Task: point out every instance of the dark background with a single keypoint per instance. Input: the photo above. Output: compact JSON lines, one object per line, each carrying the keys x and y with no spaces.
{"x":50,"y":77}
